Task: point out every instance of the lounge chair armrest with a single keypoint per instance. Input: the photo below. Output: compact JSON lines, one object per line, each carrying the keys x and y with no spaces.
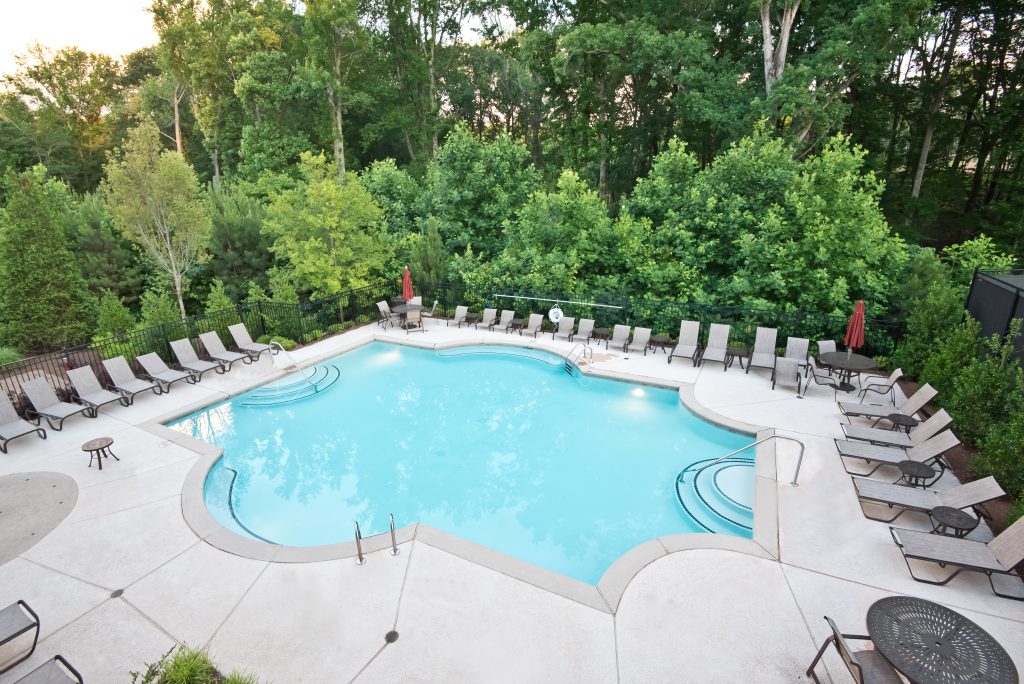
{"x":895,"y":538}
{"x":859,"y":637}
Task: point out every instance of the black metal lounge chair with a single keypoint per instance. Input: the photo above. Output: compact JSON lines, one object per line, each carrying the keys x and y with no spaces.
{"x":56,"y":671}
{"x":914,"y":403}
{"x":929,"y":428}
{"x":45,"y":404}
{"x":158,"y":371}
{"x":997,"y":557}
{"x":929,"y":451}
{"x":970,"y":495}
{"x":12,"y":425}
{"x":123,"y":380}
{"x":90,"y":392}
{"x":190,"y":361}
{"x":688,"y":345}
{"x":243,"y":341}
{"x":15,"y":620}
{"x":215,"y":349}
{"x":868,"y":666}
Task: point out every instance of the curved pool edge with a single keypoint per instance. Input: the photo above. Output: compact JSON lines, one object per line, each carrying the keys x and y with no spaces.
{"x":604,"y":596}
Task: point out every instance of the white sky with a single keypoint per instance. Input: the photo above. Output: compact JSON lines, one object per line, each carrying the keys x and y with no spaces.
{"x":113,"y":27}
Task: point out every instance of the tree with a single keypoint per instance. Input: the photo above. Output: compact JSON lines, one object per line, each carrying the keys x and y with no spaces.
{"x":217,"y":299}
{"x":43,"y":298}
{"x":775,"y":50}
{"x":112,"y":316}
{"x":328,"y":233}
{"x":239,"y":251}
{"x":108,"y":261}
{"x":154,"y":197}
{"x":429,"y":256}
{"x":157,"y":307}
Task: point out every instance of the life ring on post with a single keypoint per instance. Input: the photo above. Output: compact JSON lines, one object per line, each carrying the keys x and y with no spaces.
{"x":555,"y":314}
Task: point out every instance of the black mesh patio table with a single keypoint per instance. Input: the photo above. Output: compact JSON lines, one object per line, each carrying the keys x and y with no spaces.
{"x":931,"y":644}
{"x":847,"y":364}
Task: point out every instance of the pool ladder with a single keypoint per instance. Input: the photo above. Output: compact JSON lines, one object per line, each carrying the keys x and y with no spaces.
{"x":682,"y":475}
{"x":360,"y":557}
{"x":581,"y":350}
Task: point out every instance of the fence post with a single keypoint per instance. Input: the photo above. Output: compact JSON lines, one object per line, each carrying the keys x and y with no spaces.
{"x":302,"y":329}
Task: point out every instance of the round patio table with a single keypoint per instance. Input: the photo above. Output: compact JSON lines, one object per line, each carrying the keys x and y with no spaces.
{"x":931,"y":644}
{"x":403,"y":309}
{"x":847,"y":364}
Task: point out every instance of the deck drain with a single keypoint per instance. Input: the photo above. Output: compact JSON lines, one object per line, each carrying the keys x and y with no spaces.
{"x":116,"y":593}
{"x":391,"y":637}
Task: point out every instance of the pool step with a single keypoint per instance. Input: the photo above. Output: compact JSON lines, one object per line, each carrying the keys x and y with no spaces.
{"x":714,"y":503}
{"x":321,"y":379}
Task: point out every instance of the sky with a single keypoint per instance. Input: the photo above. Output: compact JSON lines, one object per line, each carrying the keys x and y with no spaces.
{"x":113,"y":27}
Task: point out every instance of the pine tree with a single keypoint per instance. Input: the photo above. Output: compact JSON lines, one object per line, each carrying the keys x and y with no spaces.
{"x":429,"y":256}
{"x":43,"y":296}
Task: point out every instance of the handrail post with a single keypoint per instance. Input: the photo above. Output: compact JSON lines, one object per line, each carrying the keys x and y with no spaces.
{"x":394,"y":544}
{"x":360,"y":559}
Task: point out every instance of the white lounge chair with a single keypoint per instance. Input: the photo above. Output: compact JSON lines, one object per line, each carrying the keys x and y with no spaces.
{"x":158,"y":371}
{"x":487,"y":320}
{"x":460,"y":316}
{"x":45,"y":404}
{"x":929,"y":452}
{"x":688,"y":345}
{"x":533,"y":325}
{"x":187,"y":359}
{"x":718,"y":345}
{"x":123,"y":380}
{"x":387,"y":316}
{"x":935,"y":424}
{"x":763,"y":355}
{"x":619,"y":338}
{"x":584,"y":331}
{"x":240,"y":334}
{"x":641,"y":340}
{"x":215,"y":349}
{"x":565,"y":328}
{"x":12,"y":425}
{"x":914,"y":403}
{"x":505,"y":321}
{"x":90,"y":392}
{"x":796,"y":348}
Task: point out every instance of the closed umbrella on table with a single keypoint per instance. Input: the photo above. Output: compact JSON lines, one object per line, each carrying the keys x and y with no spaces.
{"x":855,"y":330}
{"x":406,"y":285}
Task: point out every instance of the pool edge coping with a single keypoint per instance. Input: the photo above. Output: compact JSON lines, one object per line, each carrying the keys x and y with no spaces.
{"x":604,"y":596}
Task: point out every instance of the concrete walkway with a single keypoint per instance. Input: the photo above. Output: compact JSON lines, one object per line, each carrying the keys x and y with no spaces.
{"x":123,"y":579}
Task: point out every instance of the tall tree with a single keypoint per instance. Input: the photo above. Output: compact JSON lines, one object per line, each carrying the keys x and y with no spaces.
{"x":776,"y":46}
{"x":155,"y":199}
{"x":43,"y":298}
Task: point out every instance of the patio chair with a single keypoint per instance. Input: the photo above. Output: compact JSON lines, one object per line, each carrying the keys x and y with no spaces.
{"x":970,"y":495}
{"x":505,"y":320}
{"x":820,"y":378}
{"x":929,"y":451}
{"x":533,"y":324}
{"x":187,"y":359}
{"x":886,"y":387}
{"x":158,"y":371}
{"x":688,"y":345}
{"x":418,"y":301}
{"x":216,"y":350}
{"x":123,"y":380}
{"x":414,"y":321}
{"x":718,"y":345}
{"x":565,"y":328}
{"x":787,"y":373}
{"x":867,"y":666}
{"x":487,"y":320}
{"x":641,"y":340}
{"x":997,"y":557}
{"x":460,"y":316}
{"x":55,"y":671}
{"x":584,"y":331}
{"x":619,"y":338}
{"x":796,"y":348}
{"x":914,"y":403}
{"x":825,"y":347}
{"x":763,"y":355}
{"x":12,"y":425}
{"x":387,"y":316}
{"x":935,"y":424}
{"x":90,"y":392}
{"x":15,"y":620}
{"x":45,"y":404}
{"x":430,"y":314}
{"x":240,"y":334}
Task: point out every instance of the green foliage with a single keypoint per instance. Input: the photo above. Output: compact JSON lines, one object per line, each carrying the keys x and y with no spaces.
{"x":157,"y":307}
{"x":396,"y":192}
{"x":112,"y":316}
{"x":217,"y":299}
{"x":1001,"y":454}
{"x":283,"y":341}
{"x":44,"y":301}
{"x":239,"y":251}
{"x":185,"y":665}
{"x":8,"y":355}
{"x":429,"y":259}
{"x":987,"y":388}
{"x":328,"y":233}
{"x":950,"y":352}
{"x":107,"y":259}
{"x":928,"y":323}
{"x":980,"y":253}
{"x":923,"y":274}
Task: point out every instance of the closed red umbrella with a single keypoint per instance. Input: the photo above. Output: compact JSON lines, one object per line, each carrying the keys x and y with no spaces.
{"x":855,"y":330}
{"x":406,"y":285}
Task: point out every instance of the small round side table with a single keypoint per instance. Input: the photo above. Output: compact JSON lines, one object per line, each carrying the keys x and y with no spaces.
{"x":952,"y":522}
{"x":99,"y":449}
{"x":915,"y":473}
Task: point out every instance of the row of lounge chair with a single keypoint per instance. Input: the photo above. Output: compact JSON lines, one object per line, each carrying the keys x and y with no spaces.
{"x":90,"y":395}
{"x":927,"y":443}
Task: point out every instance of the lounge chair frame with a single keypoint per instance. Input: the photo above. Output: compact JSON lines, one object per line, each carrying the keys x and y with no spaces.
{"x":88,"y":377}
{"x":154,"y":376}
{"x":19,"y":624}
{"x":243,"y":342}
{"x":46,"y":672}
{"x":914,"y":403}
{"x":216,"y":350}
{"x":688,"y":344}
{"x":948,"y":547}
{"x":186,"y":354}
{"x":38,"y":414}
{"x":886,"y":388}
{"x":13,"y":426}
{"x":116,"y":385}
{"x":972,"y":495}
{"x":881,"y":671}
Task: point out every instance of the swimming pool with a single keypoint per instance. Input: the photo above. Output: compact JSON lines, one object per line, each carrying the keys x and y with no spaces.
{"x":497,"y":445}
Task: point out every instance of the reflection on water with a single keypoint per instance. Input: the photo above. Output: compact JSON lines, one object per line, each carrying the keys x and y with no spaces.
{"x":502,"y":450}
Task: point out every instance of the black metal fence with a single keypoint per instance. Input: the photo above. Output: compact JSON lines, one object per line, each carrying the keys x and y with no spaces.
{"x":312,"y":320}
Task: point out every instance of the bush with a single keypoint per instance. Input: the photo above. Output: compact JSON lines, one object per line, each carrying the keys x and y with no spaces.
{"x":1001,"y":454}
{"x":283,"y":341}
{"x":928,"y":323}
{"x":947,"y":358}
{"x":158,"y":306}
{"x":112,"y":316}
{"x":184,"y":665}
{"x":8,"y":355}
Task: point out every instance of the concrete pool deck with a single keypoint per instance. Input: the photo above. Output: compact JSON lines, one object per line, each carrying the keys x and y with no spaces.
{"x":699,"y":614}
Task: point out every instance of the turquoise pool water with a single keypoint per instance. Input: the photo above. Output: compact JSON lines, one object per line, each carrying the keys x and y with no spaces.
{"x":497,"y":445}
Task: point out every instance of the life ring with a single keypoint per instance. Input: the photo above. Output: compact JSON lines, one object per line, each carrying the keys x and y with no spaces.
{"x":555,"y":314}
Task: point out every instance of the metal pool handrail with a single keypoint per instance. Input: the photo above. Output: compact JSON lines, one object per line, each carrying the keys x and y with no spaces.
{"x":796,"y":473}
{"x":231,"y":507}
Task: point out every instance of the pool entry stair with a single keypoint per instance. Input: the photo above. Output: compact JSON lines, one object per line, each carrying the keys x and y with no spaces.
{"x":310,"y":383}
{"x":580,"y":350}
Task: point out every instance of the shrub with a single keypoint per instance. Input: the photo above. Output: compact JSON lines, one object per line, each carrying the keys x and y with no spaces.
{"x":928,"y":323}
{"x":8,"y":355}
{"x":112,"y":316}
{"x":184,"y":665}
{"x":158,"y":306}
{"x":1001,"y":454}
{"x":217,"y":299}
{"x":947,"y":358}
{"x":283,"y":341}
